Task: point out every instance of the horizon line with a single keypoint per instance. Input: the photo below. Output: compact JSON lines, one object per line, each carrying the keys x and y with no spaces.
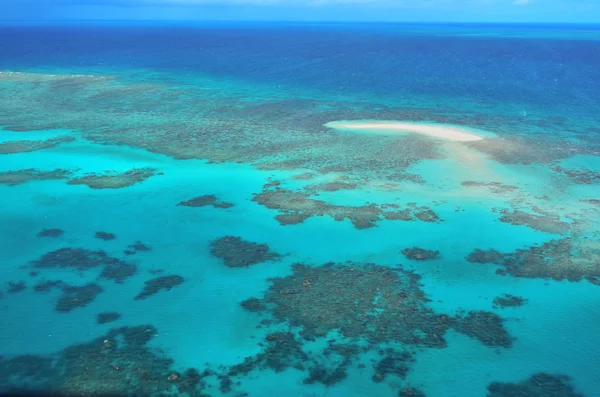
{"x":370,"y":22}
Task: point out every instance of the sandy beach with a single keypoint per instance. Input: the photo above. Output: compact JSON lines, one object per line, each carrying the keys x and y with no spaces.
{"x":440,"y":131}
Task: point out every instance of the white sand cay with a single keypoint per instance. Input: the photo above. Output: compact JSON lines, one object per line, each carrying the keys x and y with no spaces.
{"x":440,"y":131}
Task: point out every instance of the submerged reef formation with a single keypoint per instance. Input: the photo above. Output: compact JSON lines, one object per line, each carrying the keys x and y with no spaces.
{"x":508,"y":300}
{"x":114,"y":180}
{"x":154,"y":286}
{"x":544,"y":223}
{"x":564,"y":259}
{"x":411,"y":392}
{"x":393,"y":363}
{"x":80,"y":259}
{"x":136,"y":247}
{"x":14,"y":287}
{"x":105,"y":236}
{"x":237,"y":252}
{"x":420,"y":254}
{"x":494,"y":187}
{"x":74,"y":297}
{"x":24,"y":146}
{"x":204,"y":201}
{"x":119,"y":362}
{"x":107,"y":317}
{"x":486,"y":327}
{"x":584,"y":176}
{"x":331,"y":187}
{"x":296,"y":207}
{"x":283,"y":350}
{"x":538,"y":385}
{"x":365,"y":301}
{"x":14,"y":178}
{"x":51,"y":233}
{"x":367,"y":306}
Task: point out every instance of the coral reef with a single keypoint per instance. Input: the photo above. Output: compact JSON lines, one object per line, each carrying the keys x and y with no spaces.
{"x":563,"y":259}
{"x":105,"y":236}
{"x":420,"y":254}
{"x":136,"y":247}
{"x":394,"y":363}
{"x":15,"y":287}
{"x":411,"y":392}
{"x":237,"y":252}
{"x":295,"y":207}
{"x":114,"y":180}
{"x":154,"y":286}
{"x":303,"y":177}
{"x":537,"y":385}
{"x":204,"y":201}
{"x":24,"y":146}
{"x":118,"y":272}
{"x":485,"y":327}
{"x":51,"y":233}
{"x":116,"y":363}
{"x":13,"y":178}
{"x":362,"y":303}
{"x":543,"y":223}
{"x":332,"y":187}
{"x":367,"y":301}
{"x":495,"y":187}
{"x":107,"y":317}
{"x":80,"y":259}
{"x":74,"y":297}
{"x":253,"y":305}
{"x":508,"y":300}
{"x":583,"y":176}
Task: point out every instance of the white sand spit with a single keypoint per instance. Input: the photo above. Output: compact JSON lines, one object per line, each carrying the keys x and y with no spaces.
{"x":439,"y":131}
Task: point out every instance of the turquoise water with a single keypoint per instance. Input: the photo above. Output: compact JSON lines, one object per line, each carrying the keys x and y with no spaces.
{"x":117,"y":130}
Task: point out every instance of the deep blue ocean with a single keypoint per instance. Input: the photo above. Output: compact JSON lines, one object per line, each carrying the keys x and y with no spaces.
{"x":245,"y":209}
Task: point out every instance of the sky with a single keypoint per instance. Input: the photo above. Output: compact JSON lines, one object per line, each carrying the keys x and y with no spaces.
{"x":535,"y":11}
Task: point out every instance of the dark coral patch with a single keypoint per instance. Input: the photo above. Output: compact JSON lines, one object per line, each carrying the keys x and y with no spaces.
{"x":563,"y":259}
{"x":495,"y":187}
{"x":486,"y":327}
{"x":508,"y":300}
{"x":333,"y":186}
{"x":362,"y":301}
{"x":158,"y":284}
{"x":13,"y":178}
{"x":544,"y":223}
{"x":204,"y":201}
{"x":51,"y":233}
{"x":15,"y":287}
{"x":75,"y":258}
{"x":393,"y":363}
{"x":136,"y":247}
{"x":46,"y":286}
{"x":105,"y":236}
{"x":237,"y":252}
{"x":82,"y":259}
{"x":420,"y":254}
{"x":295,"y":207}
{"x":114,"y":180}
{"x":107,"y":317}
{"x":118,"y":362}
{"x":32,"y":146}
{"x":74,"y":297}
{"x":118,"y":272}
{"x":583,"y":176}
{"x":411,"y":392}
{"x":253,"y":305}
{"x":538,"y":385}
